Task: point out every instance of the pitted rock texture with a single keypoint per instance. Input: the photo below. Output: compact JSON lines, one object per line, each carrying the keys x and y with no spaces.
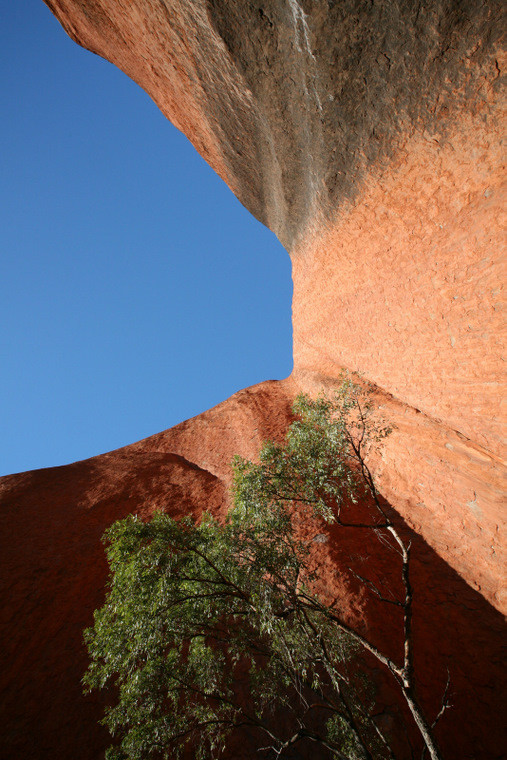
{"x":367,"y":137}
{"x":292,"y":102}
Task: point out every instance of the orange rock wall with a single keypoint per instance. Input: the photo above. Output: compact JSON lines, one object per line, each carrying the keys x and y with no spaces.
{"x":409,"y":278}
{"x":367,"y":137}
{"x":409,"y":285}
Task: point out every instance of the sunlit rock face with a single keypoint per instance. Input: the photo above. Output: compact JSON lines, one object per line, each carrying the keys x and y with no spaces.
{"x":366,"y":135}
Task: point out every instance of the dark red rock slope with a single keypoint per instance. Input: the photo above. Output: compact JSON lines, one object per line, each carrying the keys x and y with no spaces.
{"x":53,"y":569}
{"x":367,"y":137}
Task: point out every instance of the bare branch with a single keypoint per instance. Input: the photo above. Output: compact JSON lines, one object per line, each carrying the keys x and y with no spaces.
{"x":375,"y":590}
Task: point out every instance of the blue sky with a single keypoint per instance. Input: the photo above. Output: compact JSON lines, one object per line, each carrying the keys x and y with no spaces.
{"x":135,"y":290}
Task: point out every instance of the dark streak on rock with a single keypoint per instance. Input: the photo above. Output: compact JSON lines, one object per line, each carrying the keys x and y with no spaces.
{"x":380,"y":69}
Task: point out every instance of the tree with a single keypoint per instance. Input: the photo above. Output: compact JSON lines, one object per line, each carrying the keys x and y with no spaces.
{"x":211,"y":628}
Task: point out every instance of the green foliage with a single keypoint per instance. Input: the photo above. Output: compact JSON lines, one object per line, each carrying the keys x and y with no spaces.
{"x":316,"y":467}
{"x":201,"y":633}
{"x":210,"y":628}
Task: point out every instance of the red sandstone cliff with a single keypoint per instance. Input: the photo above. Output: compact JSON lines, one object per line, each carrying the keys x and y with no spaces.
{"x":367,"y":136}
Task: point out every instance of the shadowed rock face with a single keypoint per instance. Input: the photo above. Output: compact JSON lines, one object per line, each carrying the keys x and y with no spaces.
{"x":366,"y":135}
{"x":294,"y":102}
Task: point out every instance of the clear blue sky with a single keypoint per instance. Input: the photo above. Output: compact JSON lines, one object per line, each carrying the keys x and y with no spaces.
{"x":135,"y":290}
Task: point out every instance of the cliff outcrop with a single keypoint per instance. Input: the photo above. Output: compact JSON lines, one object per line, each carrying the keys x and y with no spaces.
{"x":367,"y":137}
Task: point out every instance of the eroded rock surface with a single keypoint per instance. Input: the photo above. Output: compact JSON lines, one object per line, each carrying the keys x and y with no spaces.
{"x":367,"y":137}
{"x":293,"y":103}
